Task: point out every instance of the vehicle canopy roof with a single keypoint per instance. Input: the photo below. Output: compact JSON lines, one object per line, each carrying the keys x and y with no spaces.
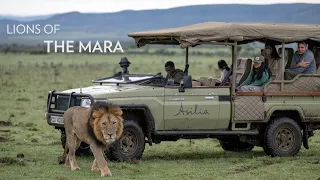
{"x":241,"y":33}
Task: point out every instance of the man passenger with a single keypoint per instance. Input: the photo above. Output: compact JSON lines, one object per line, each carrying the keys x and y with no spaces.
{"x":173,"y":74}
{"x":303,"y":62}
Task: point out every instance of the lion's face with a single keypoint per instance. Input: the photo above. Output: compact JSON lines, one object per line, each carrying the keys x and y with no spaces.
{"x":108,"y":124}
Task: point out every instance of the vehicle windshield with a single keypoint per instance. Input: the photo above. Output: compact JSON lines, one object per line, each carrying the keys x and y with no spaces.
{"x":124,"y":79}
{"x":143,"y":79}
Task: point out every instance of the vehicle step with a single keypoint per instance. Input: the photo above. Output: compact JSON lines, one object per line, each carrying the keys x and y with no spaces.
{"x":205,"y":132}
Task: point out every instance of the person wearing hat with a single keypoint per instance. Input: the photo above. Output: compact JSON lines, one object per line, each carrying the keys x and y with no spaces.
{"x":258,"y":76}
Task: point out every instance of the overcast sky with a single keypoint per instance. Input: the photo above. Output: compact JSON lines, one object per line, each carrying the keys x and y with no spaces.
{"x":43,"y":7}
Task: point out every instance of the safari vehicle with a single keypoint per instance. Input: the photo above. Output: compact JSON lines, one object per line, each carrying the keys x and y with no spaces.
{"x":280,"y":118}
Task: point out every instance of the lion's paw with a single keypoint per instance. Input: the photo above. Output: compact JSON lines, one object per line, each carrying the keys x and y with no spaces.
{"x":95,"y":169}
{"x":135,"y":161}
{"x":106,"y":173}
{"x":75,"y":168}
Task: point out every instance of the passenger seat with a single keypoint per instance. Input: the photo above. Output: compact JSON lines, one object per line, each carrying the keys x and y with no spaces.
{"x":288,"y":55}
{"x":244,"y":66}
{"x":316,"y":53}
{"x":274,"y":66}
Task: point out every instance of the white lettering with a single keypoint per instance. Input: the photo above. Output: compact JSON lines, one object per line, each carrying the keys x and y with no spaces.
{"x":37,"y":27}
{"x":23,"y":29}
{"x":56,"y":46}
{"x":8,"y":30}
{"x":70,"y":46}
{"x":31,"y":29}
{"x":107,"y":47}
{"x":81,"y":46}
{"x":46,"y":29}
{"x":48,"y":45}
{"x":56,"y":28}
{"x":97,"y":46}
{"x":118,"y":47}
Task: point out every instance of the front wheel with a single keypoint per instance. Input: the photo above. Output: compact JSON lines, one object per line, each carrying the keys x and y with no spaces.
{"x":131,"y":144}
{"x":283,"y":137}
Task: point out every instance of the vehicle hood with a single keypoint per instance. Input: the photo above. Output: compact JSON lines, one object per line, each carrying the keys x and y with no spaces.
{"x":107,"y":91}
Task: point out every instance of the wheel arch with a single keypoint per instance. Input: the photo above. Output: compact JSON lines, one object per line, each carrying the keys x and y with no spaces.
{"x":142,"y":114}
{"x":294,"y":112}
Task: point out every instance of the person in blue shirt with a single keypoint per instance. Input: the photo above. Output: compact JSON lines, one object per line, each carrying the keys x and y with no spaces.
{"x":303,"y":62}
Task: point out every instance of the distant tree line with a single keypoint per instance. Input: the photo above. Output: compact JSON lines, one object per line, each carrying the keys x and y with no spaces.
{"x":130,"y":48}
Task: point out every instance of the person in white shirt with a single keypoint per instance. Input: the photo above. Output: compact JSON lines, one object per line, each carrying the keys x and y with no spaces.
{"x":224,"y":68}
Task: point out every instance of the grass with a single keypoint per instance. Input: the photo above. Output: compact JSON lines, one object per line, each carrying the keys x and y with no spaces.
{"x":24,"y":84}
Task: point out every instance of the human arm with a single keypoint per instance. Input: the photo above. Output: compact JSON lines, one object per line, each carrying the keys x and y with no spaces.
{"x":303,"y":64}
{"x":223,"y":75}
{"x":178,"y":77}
{"x":264,"y":79}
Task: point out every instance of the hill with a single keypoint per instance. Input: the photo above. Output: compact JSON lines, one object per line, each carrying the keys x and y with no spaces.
{"x":25,"y":18}
{"x":116,"y":26}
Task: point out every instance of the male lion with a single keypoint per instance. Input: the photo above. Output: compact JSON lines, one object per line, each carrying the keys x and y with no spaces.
{"x":98,"y":126}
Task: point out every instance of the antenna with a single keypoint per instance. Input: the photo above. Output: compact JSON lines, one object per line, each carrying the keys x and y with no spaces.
{"x":80,"y":89}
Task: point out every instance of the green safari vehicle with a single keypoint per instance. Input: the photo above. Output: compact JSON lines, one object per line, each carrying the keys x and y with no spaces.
{"x":280,"y":119}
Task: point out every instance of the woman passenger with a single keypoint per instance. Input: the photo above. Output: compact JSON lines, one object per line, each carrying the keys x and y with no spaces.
{"x":224,"y":68}
{"x":259,"y":75}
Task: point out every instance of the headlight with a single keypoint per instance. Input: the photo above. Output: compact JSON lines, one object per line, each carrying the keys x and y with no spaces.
{"x":85,"y":102}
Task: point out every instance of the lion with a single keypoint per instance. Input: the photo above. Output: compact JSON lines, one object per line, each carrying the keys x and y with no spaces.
{"x":99,"y":126}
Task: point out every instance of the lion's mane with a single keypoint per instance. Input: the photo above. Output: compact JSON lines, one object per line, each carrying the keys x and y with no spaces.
{"x":99,"y":109}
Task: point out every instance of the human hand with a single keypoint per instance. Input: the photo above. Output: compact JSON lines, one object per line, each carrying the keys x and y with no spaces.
{"x":303,"y":64}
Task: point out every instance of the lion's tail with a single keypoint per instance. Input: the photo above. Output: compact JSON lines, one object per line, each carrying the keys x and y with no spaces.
{"x":62,"y":159}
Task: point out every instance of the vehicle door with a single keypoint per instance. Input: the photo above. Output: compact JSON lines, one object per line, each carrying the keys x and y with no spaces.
{"x":196,"y":108}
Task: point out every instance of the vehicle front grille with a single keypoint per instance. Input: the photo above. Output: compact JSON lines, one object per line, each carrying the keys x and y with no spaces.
{"x":63,"y":101}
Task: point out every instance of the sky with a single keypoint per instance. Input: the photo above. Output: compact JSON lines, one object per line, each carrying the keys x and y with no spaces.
{"x":45,"y":7}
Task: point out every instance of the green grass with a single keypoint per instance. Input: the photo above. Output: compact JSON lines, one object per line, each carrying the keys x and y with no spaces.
{"x":107,"y":64}
{"x":26,"y":80}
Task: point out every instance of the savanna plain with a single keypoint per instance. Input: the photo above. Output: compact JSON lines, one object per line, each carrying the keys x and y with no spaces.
{"x":24,"y":85}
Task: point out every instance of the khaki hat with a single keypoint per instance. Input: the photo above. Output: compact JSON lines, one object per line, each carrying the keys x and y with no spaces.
{"x":258,"y":59}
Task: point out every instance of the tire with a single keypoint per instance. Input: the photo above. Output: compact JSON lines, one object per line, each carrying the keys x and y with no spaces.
{"x":235,"y":145}
{"x":83,"y":150}
{"x":131,"y":144}
{"x":283,"y":137}
{"x":264,"y":146}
